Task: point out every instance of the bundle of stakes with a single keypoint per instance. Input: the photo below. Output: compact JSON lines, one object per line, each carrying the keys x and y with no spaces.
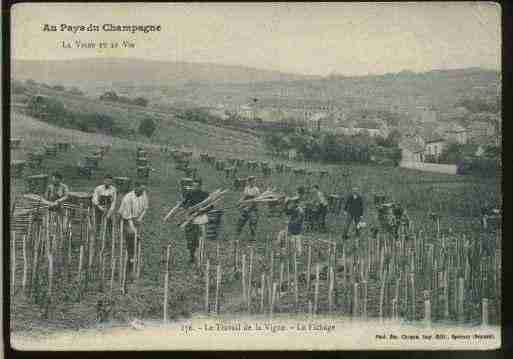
{"x":185,"y":216}
{"x":269,"y":195}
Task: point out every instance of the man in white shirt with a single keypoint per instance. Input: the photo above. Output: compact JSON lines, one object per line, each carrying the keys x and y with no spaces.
{"x":132,"y":210}
{"x":321,"y":208}
{"x":249,"y":211}
{"x":104,"y":203}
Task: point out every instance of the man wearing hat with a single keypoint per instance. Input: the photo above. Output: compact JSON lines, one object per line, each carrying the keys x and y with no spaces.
{"x":296,"y":212}
{"x":354,"y":211}
{"x":197,"y":227}
{"x":249,"y":211}
{"x":104,"y":202}
{"x":56,"y":192}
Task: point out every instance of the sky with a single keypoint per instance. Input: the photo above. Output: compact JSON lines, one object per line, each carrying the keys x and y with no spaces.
{"x":303,"y":38}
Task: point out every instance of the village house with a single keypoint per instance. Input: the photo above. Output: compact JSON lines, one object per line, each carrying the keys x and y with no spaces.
{"x":412,"y":150}
{"x":372,"y":127}
{"x":455,"y":133}
{"x":435,"y":147}
{"x":425,"y":114}
{"x":481,"y":128}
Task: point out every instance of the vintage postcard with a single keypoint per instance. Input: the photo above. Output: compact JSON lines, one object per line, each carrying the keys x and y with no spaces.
{"x":250,"y":176}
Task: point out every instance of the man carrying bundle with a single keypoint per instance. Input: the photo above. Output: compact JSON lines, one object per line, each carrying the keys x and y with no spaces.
{"x":249,"y":211}
{"x":197,"y":227}
{"x":104,"y":202}
{"x":132,"y":210}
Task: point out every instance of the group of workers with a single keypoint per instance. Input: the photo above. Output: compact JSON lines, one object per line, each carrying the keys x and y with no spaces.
{"x":134,"y":206}
{"x":132,"y":209}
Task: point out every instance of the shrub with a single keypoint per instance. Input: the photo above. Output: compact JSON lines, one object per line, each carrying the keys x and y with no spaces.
{"x":147,"y":127}
{"x":140,"y":101}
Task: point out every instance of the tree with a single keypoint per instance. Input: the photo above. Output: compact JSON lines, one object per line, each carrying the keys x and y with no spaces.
{"x":147,"y":127}
{"x":109,"y":96}
{"x":76,"y":91}
{"x":140,"y":101}
{"x":392,"y":140}
{"x":451,"y":153}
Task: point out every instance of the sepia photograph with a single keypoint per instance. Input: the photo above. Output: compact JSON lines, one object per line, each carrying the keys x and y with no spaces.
{"x":254,"y":176}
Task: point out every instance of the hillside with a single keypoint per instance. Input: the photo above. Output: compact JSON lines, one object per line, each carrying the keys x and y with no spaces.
{"x":141,"y":71}
{"x":400,"y":92}
{"x":171,"y":131}
{"x":204,"y":84}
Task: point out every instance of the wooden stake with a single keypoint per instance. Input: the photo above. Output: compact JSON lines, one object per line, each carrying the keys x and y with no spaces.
{"x":121,"y":251}
{"x":103,"y":232}
{"x":236,"y":255}
{"x":308,"y":267}
{"x":207,"y":285}
{"x":271,"y":276}
{"x":92,"y":240}
{"x":316,"y":294}
{"x":112,"y":273}
{"x":166,"y":282}
{"x":139,"y":260}
{"x":250,"y":275}
{"x":25,"y":265}
{"x":344,"y":268}
{"x":280,"y":282}
{"x":113,"y":244}
{"x":243,"y":276}
{"x":330,"y":290}
{"x":484,"y":312}
{"x":287,"y":275}
{"x":37,"y":244}
{"x":296,"y":286}
{"x":125,"y":269}
{"x":218,"y":285}
{"x":102,"y":270}
{"x":395,"y":315}
{"x":427,"y":311}
{"x":262,"y":294}
{"x":355,"y":299}
{"x":70,"y":241}
{"x":13,"y":261}
{"x":412,"y":301}
{"x":50,"y":277}
{"x":80,"y":264}
{"x":273,"y":296}
{"x":382,"y":296}
{"x":446,"y":295}
{"x":134,"y":264}
{"x":461,"y":294}
{"x":364,"y":301}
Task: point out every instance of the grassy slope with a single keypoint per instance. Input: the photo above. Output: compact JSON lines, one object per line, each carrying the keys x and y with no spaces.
{"x":456,"y":198}
{"x":171,"y":131}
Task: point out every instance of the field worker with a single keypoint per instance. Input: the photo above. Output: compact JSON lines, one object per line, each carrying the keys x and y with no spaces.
{"x":354,"y":211}
{"x":296,"y":212}
{"x":322,"y":208}
{"x":249,"y":211}
{"x":104,"y":202}
{"x":56,"y":193}
{"x":132,"y":210}
{"x":197,"y":227}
